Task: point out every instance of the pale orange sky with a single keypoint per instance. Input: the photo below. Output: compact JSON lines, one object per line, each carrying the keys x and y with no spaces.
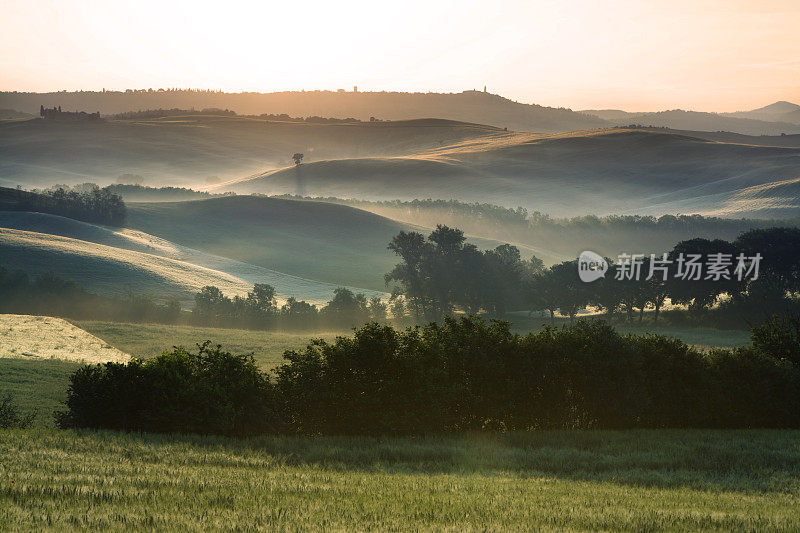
{"x":710,"y":55}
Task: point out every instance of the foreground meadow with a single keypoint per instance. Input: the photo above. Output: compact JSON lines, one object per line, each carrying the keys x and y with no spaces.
{"x":635,"y":480}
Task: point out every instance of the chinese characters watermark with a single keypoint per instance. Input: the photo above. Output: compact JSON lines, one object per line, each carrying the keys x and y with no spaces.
{"x":686,"y":267}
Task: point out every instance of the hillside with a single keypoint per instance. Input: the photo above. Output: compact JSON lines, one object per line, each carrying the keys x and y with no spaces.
{"x":778,"y":199}
{"x":467,"y":106}
{"x":779,"y":111}
{"x":44,"y":337}
{"x":109,"y":260}
{"x":743,"y":123}
{"x":200,"y":150}
{"x":319,"y":241}
{"x":110,"y":270}
{"x":599,"y":172}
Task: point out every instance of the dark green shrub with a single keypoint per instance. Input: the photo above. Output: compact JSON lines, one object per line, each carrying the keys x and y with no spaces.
{"x":779,"y":338}
{"x":209,"y":392}
{"x":463,"y":374}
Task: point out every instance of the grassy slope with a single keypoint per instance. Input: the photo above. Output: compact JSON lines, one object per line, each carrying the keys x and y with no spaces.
{"x":149,"y":340}
{"x":638,"y":480}
{"x":110,"y":259}
{"x":109,"y":270}
{"x":563,"y":175}
{"x":326,"y":242}
{"x":315,"y":240}
{"x":189,"y":149}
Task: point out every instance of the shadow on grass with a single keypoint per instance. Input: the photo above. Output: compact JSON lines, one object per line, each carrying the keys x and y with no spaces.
{"x":749,"y":461}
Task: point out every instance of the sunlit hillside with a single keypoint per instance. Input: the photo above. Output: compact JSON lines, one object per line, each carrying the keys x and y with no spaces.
{"x":200,"y":150}
{"x":115,"y":260}
{"x":599,"y":172}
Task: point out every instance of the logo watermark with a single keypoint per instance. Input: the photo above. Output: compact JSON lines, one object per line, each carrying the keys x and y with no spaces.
{"x":591,"y":266}
{"x":688,"y":267}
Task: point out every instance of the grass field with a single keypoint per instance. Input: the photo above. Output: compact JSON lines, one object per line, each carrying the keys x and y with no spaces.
{"x":149,"y":340}
{"x":677,"y":480}
{"x":39,"y":384}
{"x":636,"y":481}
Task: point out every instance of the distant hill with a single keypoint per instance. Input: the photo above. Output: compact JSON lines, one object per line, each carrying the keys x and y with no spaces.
{"x":779,"y":112}
{"x":303,"y":249}
{"x":598,"y":172}
{"x":743,"y":123}
{"x":467,"y":106}
{"x":200,"y":150}
{"x":107,"y":269}
{"x":773,"y":200}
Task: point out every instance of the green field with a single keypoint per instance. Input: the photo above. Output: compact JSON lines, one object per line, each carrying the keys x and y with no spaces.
{"x":148,"y":340}
{"x":684,"y":480}
{"x":636,"y":480}
{"x":37,"y":384}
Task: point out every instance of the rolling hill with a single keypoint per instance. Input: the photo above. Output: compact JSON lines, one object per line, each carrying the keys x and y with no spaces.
{"x":200,"y":149}
{"x":331,"y":243}
{"x":110,"y":260}
{"x":779,"y":111}
{"x":748,"y":123}
{"x":172,"y":249}
{"x":109,"y":270}
{"x":467,"y":106}
{"x":777,"y":199}
{"x":598,"y":172}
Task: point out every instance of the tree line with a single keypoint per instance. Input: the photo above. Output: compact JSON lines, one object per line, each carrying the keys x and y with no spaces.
{"x":49,"y":294}
{"x":259,"y":309}
{"x":460,"y":374}
{"x":443,"y":274}
{"x":86,"y":202}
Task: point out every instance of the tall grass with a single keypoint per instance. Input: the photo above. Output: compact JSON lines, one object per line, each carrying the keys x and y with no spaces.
{"x":635,"y":480}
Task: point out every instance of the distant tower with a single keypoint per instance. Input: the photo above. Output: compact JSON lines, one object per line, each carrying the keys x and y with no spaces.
{"x":355,"y":88}
{"x":484,"y":88}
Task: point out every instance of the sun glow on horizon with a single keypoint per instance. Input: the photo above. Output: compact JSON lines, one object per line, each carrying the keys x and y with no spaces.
{"x":718,"y":56}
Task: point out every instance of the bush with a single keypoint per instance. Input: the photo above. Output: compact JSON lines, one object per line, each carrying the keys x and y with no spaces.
{"x":464,"y":374}
{"x":208,"y":392}
{"x":779,"y":338}
{"x":10,"y":416}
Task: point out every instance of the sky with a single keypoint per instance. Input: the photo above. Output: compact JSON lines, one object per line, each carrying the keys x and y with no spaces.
{"x":637,"y":55}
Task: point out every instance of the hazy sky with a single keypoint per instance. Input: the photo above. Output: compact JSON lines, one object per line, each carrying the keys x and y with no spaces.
{"x":716,"y":55}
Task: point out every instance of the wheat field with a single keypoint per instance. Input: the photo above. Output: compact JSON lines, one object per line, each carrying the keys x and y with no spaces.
{"x":577,"y":481}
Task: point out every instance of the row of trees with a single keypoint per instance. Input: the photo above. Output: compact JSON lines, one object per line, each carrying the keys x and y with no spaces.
{"x":47,"y":293}
{"x":444,"y":274}
{"x":260,"y":310}
{"x":459,"y":375}
{"x":772,"y":289}
{"x":86,"y":202}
